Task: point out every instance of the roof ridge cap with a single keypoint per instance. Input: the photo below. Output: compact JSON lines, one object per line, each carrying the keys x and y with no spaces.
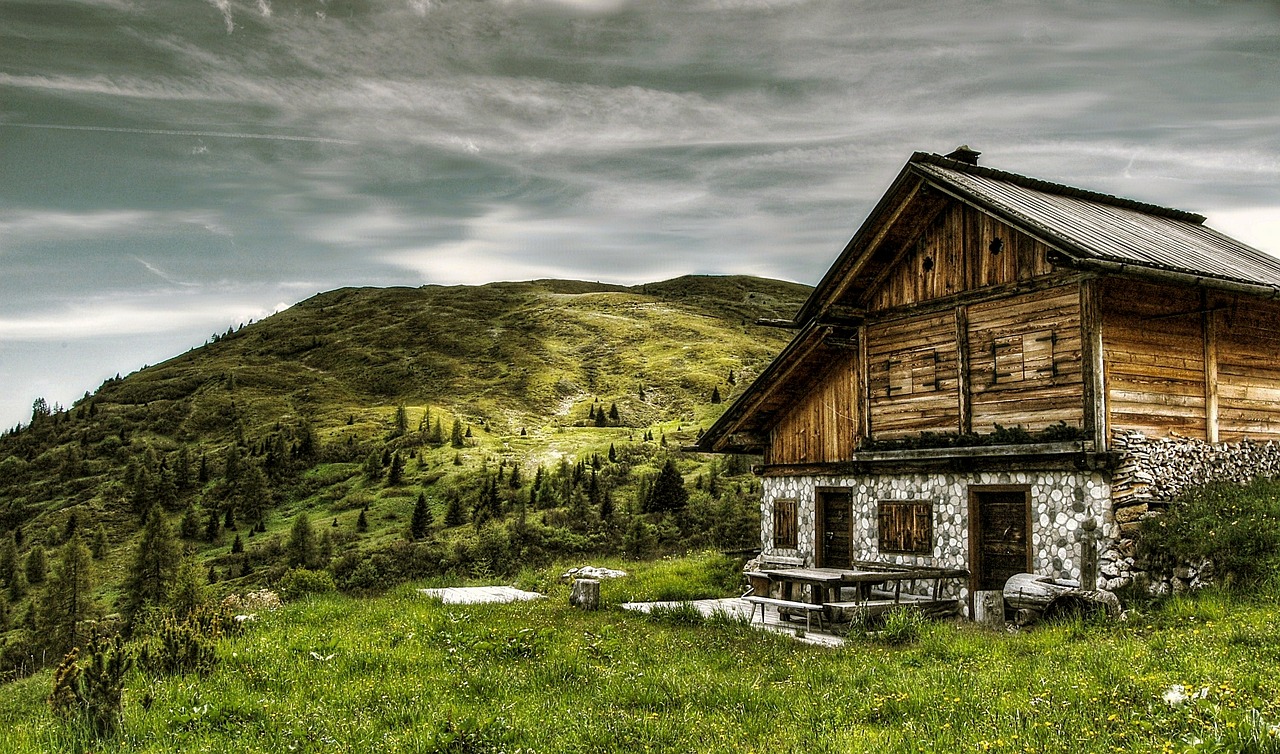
{"x":1039,"y":184}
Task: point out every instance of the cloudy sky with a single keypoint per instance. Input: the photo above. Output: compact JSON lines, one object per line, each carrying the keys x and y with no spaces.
{"x":169,"y":168}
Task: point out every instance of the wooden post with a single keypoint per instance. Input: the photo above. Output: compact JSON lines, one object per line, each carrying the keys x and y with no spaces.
{"x":1091,"y":357}
{"x":962,"y":369}
{"x":1209,"y":324}
{"x":864,"y":390}
{"x":585,"y":594}
{"x":1089,"y":554}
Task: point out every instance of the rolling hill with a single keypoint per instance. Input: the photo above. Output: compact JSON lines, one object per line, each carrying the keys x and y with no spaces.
{"x":568,"y":398}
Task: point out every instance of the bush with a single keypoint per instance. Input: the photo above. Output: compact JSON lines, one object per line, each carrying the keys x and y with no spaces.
{"x":91,"y":693}
{"x":299,"y":582}
{"x":1234,"y":528}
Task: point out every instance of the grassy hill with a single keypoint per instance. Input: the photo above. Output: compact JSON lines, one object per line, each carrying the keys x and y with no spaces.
{"x":318,"y":409}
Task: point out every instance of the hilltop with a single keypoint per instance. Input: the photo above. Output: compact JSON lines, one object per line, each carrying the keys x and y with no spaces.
{"x":530,"y":418}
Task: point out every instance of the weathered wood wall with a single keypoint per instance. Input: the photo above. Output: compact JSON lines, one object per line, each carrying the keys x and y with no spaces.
{"x":912,"y":375}
{"x":1246,"y":334}
{"x":956,"y":254}
{"x":820,"y":427}
{"x":1154,"y":354}
{"x":1024,"y":360}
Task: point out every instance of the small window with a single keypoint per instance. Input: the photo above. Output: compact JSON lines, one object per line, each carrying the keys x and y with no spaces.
{"x":906,"y":527}
{"x":784,"y":524}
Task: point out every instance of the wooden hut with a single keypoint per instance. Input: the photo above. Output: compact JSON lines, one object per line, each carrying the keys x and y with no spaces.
{"x":957,"y":377}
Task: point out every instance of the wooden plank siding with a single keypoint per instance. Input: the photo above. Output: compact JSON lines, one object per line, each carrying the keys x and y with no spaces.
{"x":1247,"y":346}
{"x":912,"y":376}
{"x":955,"y":254}
{"x":1153,"y":349}
{"x":820,"y":427}
{"x":1025,"y":360}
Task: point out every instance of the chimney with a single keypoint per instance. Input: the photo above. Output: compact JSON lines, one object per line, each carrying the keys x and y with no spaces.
{"x":964,"y":154}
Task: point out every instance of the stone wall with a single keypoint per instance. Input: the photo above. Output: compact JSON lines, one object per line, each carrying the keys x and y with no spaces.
{"x":1155,"y":470}
{"x":1068,"y":509}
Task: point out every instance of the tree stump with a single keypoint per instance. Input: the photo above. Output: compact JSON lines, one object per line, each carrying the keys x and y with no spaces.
{"x":585,"y":594}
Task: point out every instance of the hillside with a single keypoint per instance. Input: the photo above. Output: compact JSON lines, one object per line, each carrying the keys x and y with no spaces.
{"x":567,"y":398}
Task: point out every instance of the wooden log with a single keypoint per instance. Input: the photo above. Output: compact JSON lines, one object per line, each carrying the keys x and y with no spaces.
{"x":585,"y":594}
{"x":1026,"y":591}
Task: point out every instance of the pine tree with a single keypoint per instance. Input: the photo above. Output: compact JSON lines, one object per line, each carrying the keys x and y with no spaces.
{"x":237,"y":545}
{"x":715,"y":394}
{"x":189,"y":528}
{"x":67,"y":599}
{"x":362,"y":523}
{"x":8,"y":558}
{"x":37,"y":565}
{"x":668,"y":492}
{"x":732,"y":380}
{"x":454,"y":515}
{"x":373,"y":467}
{"x":98,"y":545}
{"x":396,"y":473}
{"x":606,"y":507}
{"x":455,"y":437}
{"x":254,"y":495}
{"x":600,"y":419}
{"x":155,"y":565}
{"x":420,"y":524}
{"x":301,"y":550}
{"x":402,"y":420}
{"x":515,"y":481}
{"x":18,"y":585}
{"x":71,"y":527}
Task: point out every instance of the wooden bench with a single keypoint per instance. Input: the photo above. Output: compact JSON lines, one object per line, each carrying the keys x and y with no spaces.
{"x":807,"y":608}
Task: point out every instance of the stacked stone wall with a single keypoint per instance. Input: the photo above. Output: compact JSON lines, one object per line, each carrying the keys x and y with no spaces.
{"x":1153,"y":471}
{"x":1068,"y":510}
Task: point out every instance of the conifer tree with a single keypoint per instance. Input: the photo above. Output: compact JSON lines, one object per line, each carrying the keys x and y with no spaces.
{"x":455,"y":437}
{"x":98,"y":545}
{"x":362,"y":522}
{"x":254,"y":494}
{"x":18,"y":585}
{"x":301,"y":550}
{"x":155,"y":565}
{"x":8,"y":558}
{"x":396,"y":473}
{"x":454,"y":515}
{"x":67,"y":599}
{"x":600,"y":419}
{"x":71,"y":527}
{"x":715,"y":394}
{"x":614,"y":416}
{"x":237,"y":545}
{"x":373,"y":467}
{"x":402,"y":420}
{"x":514,"y":482}
{"x":668,"y":492}
{"x":420,"y":524}
{"x":189,"y":527}
{"x":37,"y":565}
{"x":606,"y":507}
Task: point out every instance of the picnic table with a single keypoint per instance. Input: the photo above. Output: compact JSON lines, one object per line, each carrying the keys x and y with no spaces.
{"x":825,"y":587}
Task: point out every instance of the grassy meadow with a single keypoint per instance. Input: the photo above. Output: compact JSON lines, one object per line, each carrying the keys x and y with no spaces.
{"x":402,"y":673}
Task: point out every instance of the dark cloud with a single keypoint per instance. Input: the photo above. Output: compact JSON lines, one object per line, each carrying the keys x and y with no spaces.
{"x":185,"y":166}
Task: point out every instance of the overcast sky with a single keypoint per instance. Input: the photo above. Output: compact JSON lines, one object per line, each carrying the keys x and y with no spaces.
{"x":169,"y":168}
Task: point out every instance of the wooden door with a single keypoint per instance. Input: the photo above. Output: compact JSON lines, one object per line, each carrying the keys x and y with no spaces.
{"x":999,"y":535}
{"x":834,"y":529}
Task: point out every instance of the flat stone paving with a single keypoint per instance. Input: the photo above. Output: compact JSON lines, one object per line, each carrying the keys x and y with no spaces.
{"x":479,"y":595}
{"x":740,"y":608}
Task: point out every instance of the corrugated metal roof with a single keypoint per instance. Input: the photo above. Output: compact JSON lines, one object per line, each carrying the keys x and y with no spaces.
{"x":1109,"y":229}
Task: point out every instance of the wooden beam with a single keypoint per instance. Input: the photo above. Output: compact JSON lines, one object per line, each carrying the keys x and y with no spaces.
{"x":1209,"y":324}
{"x":962,"y":369}
{"x":1092,"y":363}
{"x":855,"y":269}
{"x":863,"y":419}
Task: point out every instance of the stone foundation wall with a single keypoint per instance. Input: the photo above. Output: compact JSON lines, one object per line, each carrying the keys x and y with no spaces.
{"x":1068,"y":510}
{"x":1155,"y":470}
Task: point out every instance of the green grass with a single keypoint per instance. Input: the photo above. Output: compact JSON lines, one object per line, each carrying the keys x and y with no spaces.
{"x":405,"y":674}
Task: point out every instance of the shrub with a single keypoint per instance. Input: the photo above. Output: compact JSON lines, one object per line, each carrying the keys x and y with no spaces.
{"x":299,"y":582}
{"x":1234,"y":528}
{"x":90,"y":693}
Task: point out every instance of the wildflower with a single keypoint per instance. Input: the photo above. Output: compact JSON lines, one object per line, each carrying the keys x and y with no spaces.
{"x":1175,"y":695}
